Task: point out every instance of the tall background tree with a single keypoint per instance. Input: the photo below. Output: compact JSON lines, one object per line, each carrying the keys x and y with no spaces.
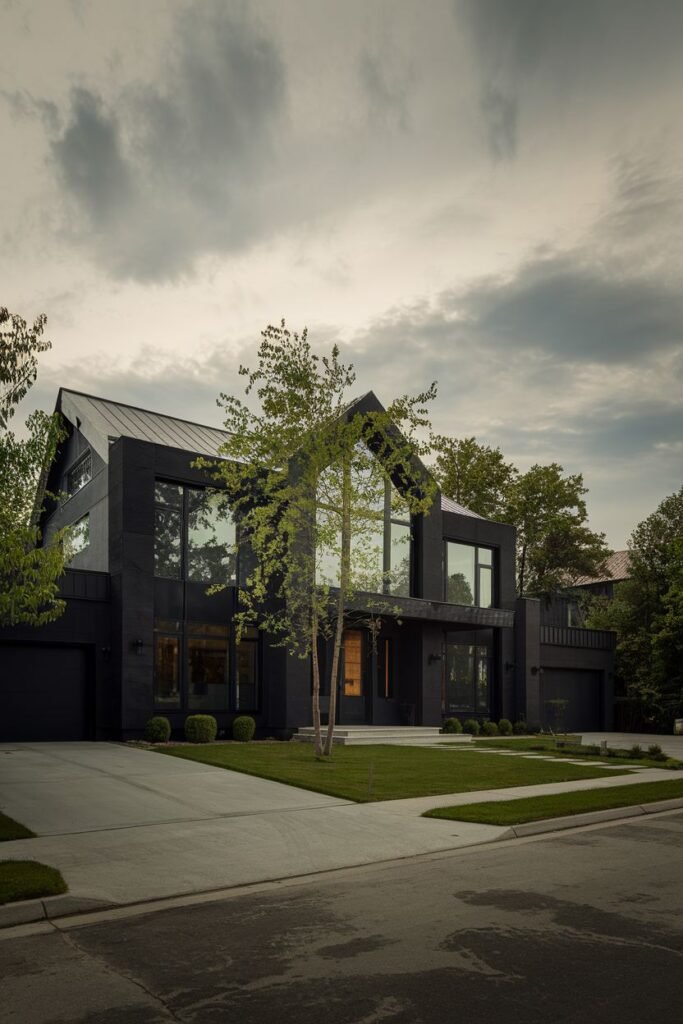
{"x":546,"y":506}
{"x":647,"y":614}
{"x":310,"y":483}
{"x":28,"y":573}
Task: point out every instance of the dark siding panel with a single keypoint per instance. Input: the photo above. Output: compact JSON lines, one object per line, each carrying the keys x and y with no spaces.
{"x":583,"y":693}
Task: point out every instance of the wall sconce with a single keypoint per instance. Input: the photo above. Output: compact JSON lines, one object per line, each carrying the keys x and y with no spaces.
{"x":509,"y":665}
{"x":434,"y":657}
{"x":534,"y":670}
{"x":137,"y":646}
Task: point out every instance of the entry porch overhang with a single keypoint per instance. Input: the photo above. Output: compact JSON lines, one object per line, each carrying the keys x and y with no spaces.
{"x":431,"y":611}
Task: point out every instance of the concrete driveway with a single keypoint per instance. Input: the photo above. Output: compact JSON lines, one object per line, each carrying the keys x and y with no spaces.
{"x":124,"y":824}
{"x":671,"y":745}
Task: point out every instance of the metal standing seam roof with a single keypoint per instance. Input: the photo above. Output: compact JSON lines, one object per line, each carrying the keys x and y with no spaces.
{"x":448,"y":505}
{"x":115,"y":419}
{"x":618,"y":567}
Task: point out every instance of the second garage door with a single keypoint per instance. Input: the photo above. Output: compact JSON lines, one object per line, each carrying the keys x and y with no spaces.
{"x":582,"y":692}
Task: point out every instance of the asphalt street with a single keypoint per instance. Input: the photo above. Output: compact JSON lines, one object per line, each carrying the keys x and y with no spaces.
{"x":586,"y":925}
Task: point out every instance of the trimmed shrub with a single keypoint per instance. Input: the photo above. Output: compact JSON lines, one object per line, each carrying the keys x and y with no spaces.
{"x":471,"y":725}
{"x":534,"y":728}
{"x":636,"y":751}
{"x":158,"y":729}
{"x":519,"y":728}
{"x":243,"y":728}
{"x":200,"y":728}
{"x":452,"y":725}
{"x":654,"y":750}
{"x":489,"y":729}
{"x":505,"y":727}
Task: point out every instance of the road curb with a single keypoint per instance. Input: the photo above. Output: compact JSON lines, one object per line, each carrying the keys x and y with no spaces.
{"x":535,"y":828}
{"x":29,"y":911}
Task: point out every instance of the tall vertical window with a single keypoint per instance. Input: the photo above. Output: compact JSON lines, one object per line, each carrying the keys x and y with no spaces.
{"x":166,"y":670}
{"x":194,"y":534}
{"x":467,"y":678}
{"x":246,"y":656}
{"x":469,"y":575}
{"x":207,"y":667}
{"x":381,"y":538}
{"x":78,"y":538}
{"x":385,"y":668}
{"x":353,"y":663}
{"x":79,"y":474}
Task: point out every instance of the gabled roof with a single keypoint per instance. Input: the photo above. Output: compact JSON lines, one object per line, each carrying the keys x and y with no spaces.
{"x":102,"y":420}
{"x":617,"y":567}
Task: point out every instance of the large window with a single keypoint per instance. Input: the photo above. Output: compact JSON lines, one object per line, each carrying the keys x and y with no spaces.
{"x":381,"y":538}
{"x":194,"y":534}
{"x":469,"y":575}
{"x":467,"y":679}
{"x":198,"y":666}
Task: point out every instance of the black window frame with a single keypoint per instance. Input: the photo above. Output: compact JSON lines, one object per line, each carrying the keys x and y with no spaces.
{"x":182,"y":508}
{"x":479,"y":566}
{"x":478,"y":653}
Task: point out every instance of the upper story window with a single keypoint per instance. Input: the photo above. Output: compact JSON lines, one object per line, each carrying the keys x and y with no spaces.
{"x":78,"y":538}
{"x":79,"y":474}
{"x":194,"y":534}
{"x":469,"y":575}
{"x":381,"y":535}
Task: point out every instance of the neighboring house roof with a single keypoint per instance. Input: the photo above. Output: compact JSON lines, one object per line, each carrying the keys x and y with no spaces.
{"x":102,"y":420}
{"x":617,"y":568}
{"x":448,"y":505}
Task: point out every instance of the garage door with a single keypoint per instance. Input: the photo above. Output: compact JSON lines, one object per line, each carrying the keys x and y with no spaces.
{"x":42,"y":693}
{"x":582,"y":691}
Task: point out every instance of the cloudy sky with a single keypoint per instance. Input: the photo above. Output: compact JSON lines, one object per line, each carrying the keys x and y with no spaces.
{"x":487,"y":193}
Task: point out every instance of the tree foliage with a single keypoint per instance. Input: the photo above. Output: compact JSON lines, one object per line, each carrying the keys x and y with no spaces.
{"x":474,"y":475}
{"x":28,"y":573}
{"x":647,"y":614}
{"x":554,"y":542}
{"x":306,"y":478}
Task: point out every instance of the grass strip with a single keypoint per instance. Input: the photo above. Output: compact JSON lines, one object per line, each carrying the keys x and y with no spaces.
{"x":28,"y":880}
{"x":11,"y":829}
{"x":557,"y":805}
{"x":371,"y":773}
{"x":567,"y":748}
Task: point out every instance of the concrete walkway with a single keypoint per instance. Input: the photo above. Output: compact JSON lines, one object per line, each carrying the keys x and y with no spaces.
{"x":125,"y":825}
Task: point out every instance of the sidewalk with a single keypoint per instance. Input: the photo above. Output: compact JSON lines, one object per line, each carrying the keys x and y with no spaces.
{"x":239,"y":830}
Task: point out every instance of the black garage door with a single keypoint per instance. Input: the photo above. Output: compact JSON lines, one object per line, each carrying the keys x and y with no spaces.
{"x":582,"y":691}
{"x":43,"y":693}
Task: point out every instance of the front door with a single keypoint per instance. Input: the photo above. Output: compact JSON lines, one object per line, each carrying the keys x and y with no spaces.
{"x":352,"y":695}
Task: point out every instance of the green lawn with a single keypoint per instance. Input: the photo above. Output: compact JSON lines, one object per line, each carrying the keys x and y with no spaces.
{"x":538,"y":808}
{"x":28,"y":880}
{"x":381,"y":772}
{"x":11,"y":829}
{"x":572,"y":748}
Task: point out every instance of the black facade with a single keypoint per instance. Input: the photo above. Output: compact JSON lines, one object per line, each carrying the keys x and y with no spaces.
{"x":142,"y":636}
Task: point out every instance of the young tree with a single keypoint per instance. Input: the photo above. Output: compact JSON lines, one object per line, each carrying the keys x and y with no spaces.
{"x":647,"y":614}
{"x":28,"y":573}
{"x":554,"y":542}
{"x":312,"y":484}
{"x":474,"y":475}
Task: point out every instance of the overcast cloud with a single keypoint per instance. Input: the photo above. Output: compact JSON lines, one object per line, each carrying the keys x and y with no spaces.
{"x":483,"y":192}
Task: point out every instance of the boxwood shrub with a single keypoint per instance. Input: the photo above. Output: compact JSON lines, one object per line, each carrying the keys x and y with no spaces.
{"x":243,"y":728}
{"x":489,"y":729}
{"x":158,"y":729}
{"x":201,"y":728}
{"x":519,"y":728}
{"x":505,"y":727}
{"x":452,"y":725}
{"x":471,"y":725}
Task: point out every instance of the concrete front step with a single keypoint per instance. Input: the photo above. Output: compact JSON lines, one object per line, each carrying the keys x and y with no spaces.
{"x":365,"y":735}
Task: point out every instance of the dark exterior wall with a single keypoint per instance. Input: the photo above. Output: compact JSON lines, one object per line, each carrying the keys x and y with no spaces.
{"x":527,"y":660}
{"x":91,"y":499}
{"x":85,"y":624}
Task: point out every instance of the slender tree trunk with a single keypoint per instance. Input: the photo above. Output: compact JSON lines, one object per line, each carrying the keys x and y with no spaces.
{"x":315,"y":699}
{"x":344,"y":574}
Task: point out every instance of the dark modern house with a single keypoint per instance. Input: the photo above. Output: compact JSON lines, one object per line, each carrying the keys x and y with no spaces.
{"x":142,"y":635}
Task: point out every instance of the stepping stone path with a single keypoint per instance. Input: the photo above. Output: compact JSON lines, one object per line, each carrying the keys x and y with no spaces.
{"x":550,"y":757}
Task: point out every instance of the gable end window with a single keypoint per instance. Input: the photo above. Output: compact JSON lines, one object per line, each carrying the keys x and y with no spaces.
{"x":80,"y":474}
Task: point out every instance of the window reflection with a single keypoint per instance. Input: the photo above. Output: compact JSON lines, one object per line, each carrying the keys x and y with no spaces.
{"x":207,"y":663}
{"x":467,"y":678}
{"x":166,"y":688}
{"x":194,"y":534}
{"x":469,"y":575}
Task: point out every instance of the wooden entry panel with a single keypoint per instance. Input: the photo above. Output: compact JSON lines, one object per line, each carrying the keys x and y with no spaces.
{"x":352,"y":699}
